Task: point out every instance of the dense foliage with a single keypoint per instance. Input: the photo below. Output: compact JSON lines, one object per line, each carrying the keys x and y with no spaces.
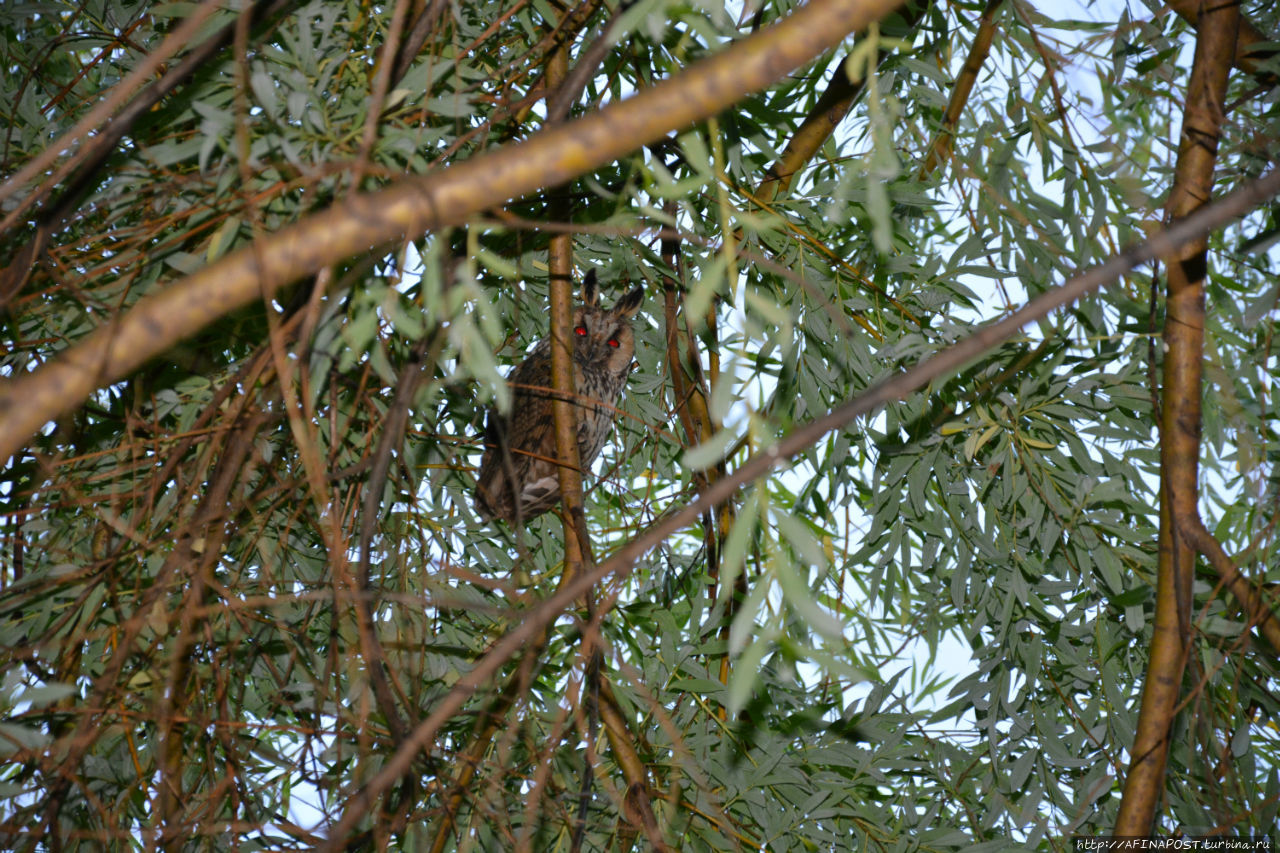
{"x":931,"y":630}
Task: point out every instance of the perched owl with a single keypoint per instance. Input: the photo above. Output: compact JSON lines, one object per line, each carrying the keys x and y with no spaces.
{"x":519,"y":477}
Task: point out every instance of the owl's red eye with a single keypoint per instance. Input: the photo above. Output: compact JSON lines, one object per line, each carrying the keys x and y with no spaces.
{"x":613,"y":342}
{"x":580,"y":330}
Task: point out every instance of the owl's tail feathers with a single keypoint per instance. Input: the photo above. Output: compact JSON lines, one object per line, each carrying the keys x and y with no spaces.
{"x":535,"y":498}
{"x":539,"y":496}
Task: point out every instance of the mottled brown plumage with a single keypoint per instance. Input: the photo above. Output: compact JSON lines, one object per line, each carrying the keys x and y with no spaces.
{"x":519,"y":478}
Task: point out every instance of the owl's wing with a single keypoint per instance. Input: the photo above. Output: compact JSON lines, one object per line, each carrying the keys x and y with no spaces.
{"x":531,"y":420}
{"x":531,"y":430}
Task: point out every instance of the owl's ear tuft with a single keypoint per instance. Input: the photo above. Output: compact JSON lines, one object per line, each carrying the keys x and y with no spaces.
{"x":590,"y":293}
{"x":628,"y":305}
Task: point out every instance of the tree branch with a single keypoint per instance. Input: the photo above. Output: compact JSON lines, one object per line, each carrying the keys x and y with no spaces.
{"x":1256,"y":608}
{"x":941,"y":148}
{"x":110,"y":130}
{"x":761,"y":464}
{"x":637,"y":805}
{"x":416,"y":205}
{"x":1180,"y":422}
{"x":1248,"y":51}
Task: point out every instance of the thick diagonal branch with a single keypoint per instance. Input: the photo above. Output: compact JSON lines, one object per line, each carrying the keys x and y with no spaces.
{"x":940,"y":150}
{"x":894,"y":387}
{"x":416,"y":205}
{"x":1256,"y":607}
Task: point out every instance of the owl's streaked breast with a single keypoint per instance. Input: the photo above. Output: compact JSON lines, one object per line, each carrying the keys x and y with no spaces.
{"x":518,"y":476}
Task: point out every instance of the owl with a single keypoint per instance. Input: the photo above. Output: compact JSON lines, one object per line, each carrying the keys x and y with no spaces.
{"x":519,"y":477}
